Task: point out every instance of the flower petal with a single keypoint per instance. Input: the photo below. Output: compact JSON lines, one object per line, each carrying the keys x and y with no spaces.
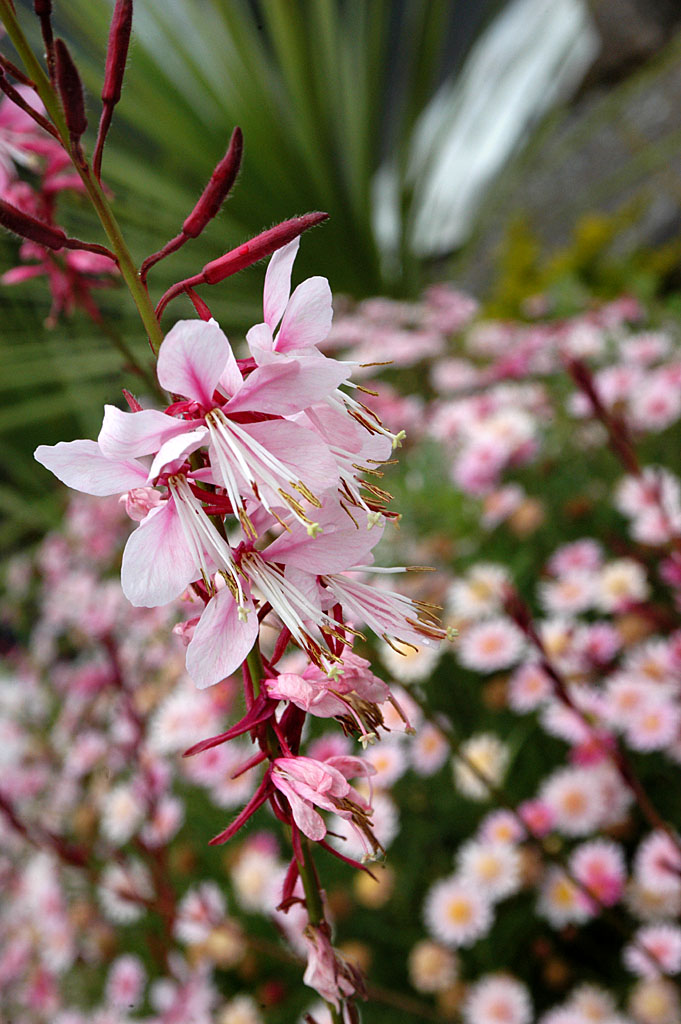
{"x":260,"y":343}
{"x":157,"y":562}
{"x":278,"y":283}
{"x":125,"y":435}
{"x":308,"y":316}
{"x":81,"y":465}
{"x":177,"y":448}
{"x":192,"y":358}
{"x":289,"y":385}
{"x":300,"y":450}
{"x":221,"y":640}
{"x":341,"y":544}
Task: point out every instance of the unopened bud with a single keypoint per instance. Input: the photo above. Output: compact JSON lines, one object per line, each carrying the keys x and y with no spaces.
{"x":70,"y":90}
{"x":22,"y":224}
{"x":262,"y":245}
{"x":117,"y":51}
{"x":217,"y":189}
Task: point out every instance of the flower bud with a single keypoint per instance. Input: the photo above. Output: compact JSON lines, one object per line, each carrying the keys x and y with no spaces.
{"x":117,"y":51}
{"x":257,"y":248}
{"x":217,"y":189}
{"x":70,"y":90}
{"x":22,"y":224}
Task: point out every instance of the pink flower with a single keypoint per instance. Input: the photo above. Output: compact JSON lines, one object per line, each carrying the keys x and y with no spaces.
{"x":327,"y":972}
{"x":307,"y":784}
{"x":599,"y":865}
{"x":267,"y":459}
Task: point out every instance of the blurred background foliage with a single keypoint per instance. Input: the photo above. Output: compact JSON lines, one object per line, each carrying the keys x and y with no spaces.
{"x":513,"y":146}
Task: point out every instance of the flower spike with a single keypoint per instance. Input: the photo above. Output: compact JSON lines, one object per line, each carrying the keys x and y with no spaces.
{"x":71,"y":92}
{"x":213,"y":196}
{"x":244,"y":256}
{"x":116,"y":54}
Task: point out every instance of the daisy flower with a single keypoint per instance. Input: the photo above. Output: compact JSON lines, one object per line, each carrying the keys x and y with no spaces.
{"x":125,"y":983}
{"x":480,"y":593}
{"x":657,"y":865}
{"x":428,"y":750}
{"x":484,"y":754}
{"x":655,"y":950}
{"x":493,"y":868}
{"x":497,"y":999}
{"x":655,"y":1001}
{"x":432,"y":967}
{"x":620,"y":583}
{"x":561,"y":902}
{"x":490,"y":645}
{"x":599,"y":865}
{"x":574,"y":797}
{"x":390,"y":762}
{"x":528,"y":687}
{"x":456,"y":913}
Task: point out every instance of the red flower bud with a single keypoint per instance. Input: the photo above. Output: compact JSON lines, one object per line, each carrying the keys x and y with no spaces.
{"x":25,"y":226}
{"x":70,"y":90}
{"x":262,"y":245}
{"x":217,"y":189}
{"x":117,"y":51}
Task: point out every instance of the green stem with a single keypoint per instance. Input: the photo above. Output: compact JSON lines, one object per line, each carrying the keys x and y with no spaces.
{"x":311,"y":886}
{"x":94,"y":190}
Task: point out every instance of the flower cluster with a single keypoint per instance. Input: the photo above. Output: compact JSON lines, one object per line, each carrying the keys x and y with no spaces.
{"x":576,"y":648}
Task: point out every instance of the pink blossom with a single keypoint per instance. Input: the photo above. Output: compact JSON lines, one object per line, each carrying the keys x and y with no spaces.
{"x":307,"y":784}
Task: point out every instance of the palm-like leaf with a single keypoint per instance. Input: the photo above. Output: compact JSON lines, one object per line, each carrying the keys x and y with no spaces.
{"x":313,"y":86}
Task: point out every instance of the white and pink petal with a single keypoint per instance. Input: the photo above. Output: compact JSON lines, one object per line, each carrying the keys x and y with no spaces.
{"x":222,"y":639}
{"x":193,"y":357}
{"x":82,"y":465}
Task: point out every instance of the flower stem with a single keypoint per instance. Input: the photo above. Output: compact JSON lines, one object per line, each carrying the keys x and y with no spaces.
{"x":94,"y":190}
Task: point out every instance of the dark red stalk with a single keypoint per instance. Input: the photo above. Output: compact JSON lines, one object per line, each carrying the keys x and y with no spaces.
{"x":71,"y":92}
{"x":244,"y":256}
{"x":262,"y":709}
{"x":15,"y":72}
{"x":43,"y":10}
{"x":20,"y":102}
{"x":22,"y":224}
{"x":618,"y":434}
{"x":256,"y":801}
{"x":213,"y":196}
{"x":517,"y":610}
{"x":116,"y":56}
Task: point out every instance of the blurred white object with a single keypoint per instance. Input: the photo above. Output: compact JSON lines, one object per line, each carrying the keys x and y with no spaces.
{"x":533,"y":54}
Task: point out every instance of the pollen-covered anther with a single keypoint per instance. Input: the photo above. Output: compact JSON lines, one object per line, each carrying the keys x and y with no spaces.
{"x":396,"y":649}
{"x":306,"y":493}
{"x":426,"y":629}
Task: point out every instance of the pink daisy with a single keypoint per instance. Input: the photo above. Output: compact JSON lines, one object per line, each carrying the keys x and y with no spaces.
{"x":599,"y":865}
{"x":491,"y":645}
{"x":457,"y":913}
{"x":656,"y":950}
{"x":497,"y":999}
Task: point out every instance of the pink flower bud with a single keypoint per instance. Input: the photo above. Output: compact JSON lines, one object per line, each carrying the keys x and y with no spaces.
{"x":217,"y":189}
{"x":70,"y":90}
{"x":139,"y":502}
{"x":262,"y":245}
{"x":185,"y":630}
{"x":22,"y":224}
{"x":117,"y":51}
